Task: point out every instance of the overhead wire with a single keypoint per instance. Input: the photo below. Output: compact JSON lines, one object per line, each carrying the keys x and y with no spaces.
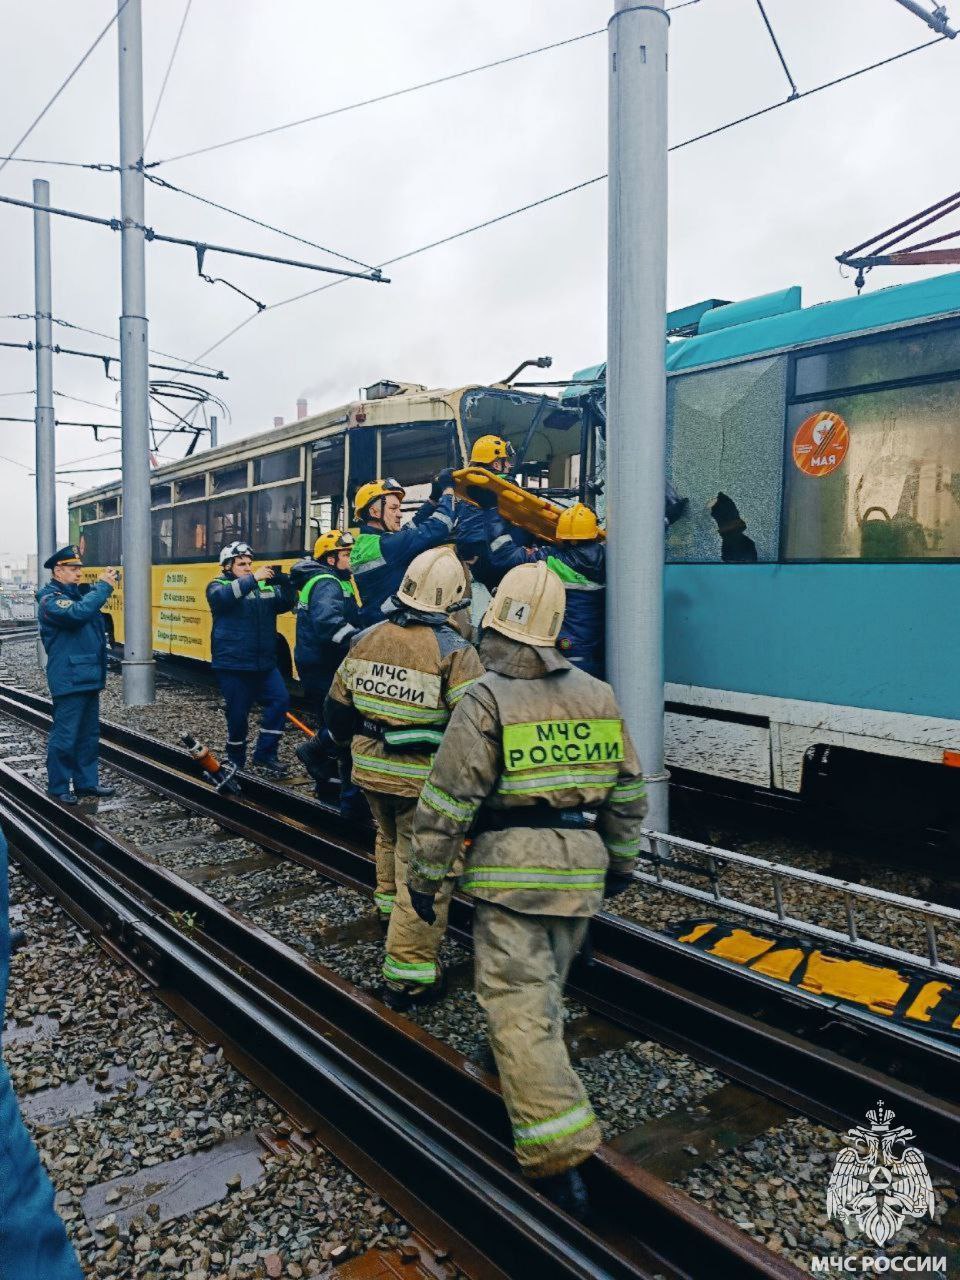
{"x":395,"y":93}
{"x":808,"y":93}
{"x":257,"y":222}
{"x":794,"y":91}
{"x":166,"y":74}
{"x":369,"y":102}
{"x":434,"y":244}
{"x":200,"y":247}
{"x":579,"y":186}
{"x":13,"y":150}
{"x":62,"y":164}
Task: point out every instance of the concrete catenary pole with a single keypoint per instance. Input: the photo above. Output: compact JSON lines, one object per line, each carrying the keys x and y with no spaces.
{"x":43,"y":414}
{"x":636,"y":380}
{"x":138,"y":664}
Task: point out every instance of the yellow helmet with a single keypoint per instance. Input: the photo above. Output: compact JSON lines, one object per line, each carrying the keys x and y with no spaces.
{"x":578,"y":524}
{"x":373,"y":490}
{"x":489,"y":448}
{"x":528,"y":605}
{"x":327,"y":543}
{"x":434,"y":581}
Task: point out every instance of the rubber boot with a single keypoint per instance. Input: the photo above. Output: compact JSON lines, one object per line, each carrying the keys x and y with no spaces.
{"x":315,"y":758}
{"x":568,"y":1192}
{"x":403,"y":999}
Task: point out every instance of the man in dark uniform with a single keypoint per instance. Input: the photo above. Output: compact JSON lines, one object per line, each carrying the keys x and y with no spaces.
{"x":328,"y":607}
{"x":243,"y":645}
{"x":384,"y":549}
{"x":74,"y":636}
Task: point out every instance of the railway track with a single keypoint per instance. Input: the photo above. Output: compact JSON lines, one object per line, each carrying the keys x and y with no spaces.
{"x":365,"y":1080}
{"x":811,"y":1053}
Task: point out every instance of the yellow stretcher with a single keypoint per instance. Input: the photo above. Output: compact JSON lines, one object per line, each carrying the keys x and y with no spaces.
{"x":901,"y":994}
{"x":521,"y":507}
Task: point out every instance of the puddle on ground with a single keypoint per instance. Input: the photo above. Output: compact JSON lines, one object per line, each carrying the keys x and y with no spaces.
{"x":177,"y":1187}
{"x":675,"y":1143}
{"x":41,"y":1028}
{"x":59,"y":1105}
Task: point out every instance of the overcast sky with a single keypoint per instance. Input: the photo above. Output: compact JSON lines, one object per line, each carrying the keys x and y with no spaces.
{"x":766,"y":205}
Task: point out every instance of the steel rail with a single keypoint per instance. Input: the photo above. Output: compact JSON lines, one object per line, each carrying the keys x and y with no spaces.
{"x":437,"y":1126}
{"x":822,"y":1057}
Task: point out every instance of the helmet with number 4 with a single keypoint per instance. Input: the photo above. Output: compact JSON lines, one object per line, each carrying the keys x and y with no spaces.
{"x":528,"y":605}
{"x":434,"y":581}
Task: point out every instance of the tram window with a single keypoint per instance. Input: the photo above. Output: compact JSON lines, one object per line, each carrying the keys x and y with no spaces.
{"x":160,"y":495}
{"x":109,"y":507}
{"x":226,"y":478}
{"x":101,"y":542}
{"x":413,"y":455}
{"x":278,"y":520}
{"x":907,"y":354}
{"x":326,"y":485}
{"x":724,"y":437}
{"x":190,"y":531}
{"x":162,"y":536}
{"x":229,"y":520}
{"x":195,"y":487}
{"x":89,"y":512}
{"x":284,"y":465}
{"x":896,"y":493}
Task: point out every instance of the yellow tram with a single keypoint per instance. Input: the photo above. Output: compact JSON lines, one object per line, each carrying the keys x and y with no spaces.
{"x":279,"y":489}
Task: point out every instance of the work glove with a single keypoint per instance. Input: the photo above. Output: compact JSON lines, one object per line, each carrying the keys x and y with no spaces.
{"x":616,"y":882}
{"x":443,"y":481}
{"x":483,"y":497}
{"x":423,"y":906}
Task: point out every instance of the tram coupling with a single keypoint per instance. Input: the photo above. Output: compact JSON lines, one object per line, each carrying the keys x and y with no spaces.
{"x":221,"y":776}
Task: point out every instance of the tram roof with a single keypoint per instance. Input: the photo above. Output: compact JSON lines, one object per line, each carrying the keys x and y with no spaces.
{"x":413,"y":403}
{"x":777,"y":322}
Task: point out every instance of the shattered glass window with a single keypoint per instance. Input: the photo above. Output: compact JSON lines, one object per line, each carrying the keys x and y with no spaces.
{"x":725,"y":456}
{"x":895,"y":495}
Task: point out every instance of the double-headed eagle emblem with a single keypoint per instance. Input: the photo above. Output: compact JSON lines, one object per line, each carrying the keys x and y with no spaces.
{"x":879,"y":1180}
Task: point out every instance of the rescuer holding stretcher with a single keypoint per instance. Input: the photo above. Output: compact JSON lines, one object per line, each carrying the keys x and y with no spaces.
{"x":393,"y":695}
{"x":529,"y":747}
{"x":243,"y":647}
{"x":473,"y":535}
{"x":74,"y":635}
{"x":579,"y":559}
{"x":328,"y":608}
{"x":383,"y":549}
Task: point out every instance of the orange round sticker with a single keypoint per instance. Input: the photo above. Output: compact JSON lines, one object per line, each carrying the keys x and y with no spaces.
{"x":821,"y":444}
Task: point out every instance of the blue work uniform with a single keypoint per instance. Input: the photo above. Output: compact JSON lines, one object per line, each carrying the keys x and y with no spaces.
{"x":473,"y":537}
{"x":74,"y":636}
{"x":328,"y":609}
{"x":379,"y":560}
{"x":243,"y":646}
{"x":582,"y":568}
{"x":33,"y":1242}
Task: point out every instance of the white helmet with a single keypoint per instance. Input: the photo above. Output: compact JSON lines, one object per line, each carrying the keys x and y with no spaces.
{"x":528,"y":605}
{"x":434,"y":581}
{"x":234,"y":549}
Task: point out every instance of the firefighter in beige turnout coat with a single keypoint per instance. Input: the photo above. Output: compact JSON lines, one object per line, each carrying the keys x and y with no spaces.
{"x":394,"y":693}
{"x":530,"y":746}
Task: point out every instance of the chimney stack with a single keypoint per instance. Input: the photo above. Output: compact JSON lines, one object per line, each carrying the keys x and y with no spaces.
{"x":301,"y":409}
{"x":278,"y":422}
